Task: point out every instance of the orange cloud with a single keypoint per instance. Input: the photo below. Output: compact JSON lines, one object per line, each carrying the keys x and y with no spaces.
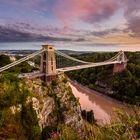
{"x":122,"y":39}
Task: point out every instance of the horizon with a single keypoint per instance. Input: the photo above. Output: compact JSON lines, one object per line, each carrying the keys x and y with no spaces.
{"x":4,"y":46}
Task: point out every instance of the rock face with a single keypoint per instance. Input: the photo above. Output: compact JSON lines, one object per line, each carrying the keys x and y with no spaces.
{"x":55,"y":104}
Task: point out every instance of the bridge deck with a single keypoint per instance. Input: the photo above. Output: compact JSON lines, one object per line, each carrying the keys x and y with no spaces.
{"x":86,"y":66}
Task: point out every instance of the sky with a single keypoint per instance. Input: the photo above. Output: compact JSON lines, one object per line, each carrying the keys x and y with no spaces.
{"x":91,"y":22}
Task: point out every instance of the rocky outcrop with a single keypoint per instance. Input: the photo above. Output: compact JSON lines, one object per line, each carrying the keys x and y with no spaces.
{"x":55,"y":103}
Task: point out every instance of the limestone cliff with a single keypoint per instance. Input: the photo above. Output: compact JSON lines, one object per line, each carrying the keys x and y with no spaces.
{"x":55,"y":103}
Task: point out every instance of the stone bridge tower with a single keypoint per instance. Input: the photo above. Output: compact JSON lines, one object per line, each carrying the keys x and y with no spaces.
{"x":119,"y":67}
{"x":48,"y":63}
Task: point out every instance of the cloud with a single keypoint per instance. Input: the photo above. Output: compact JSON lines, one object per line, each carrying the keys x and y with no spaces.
{"x":48,"y":30}
{"x":9,"y":34}
{"x":134,"y":26}
{"x":105,"y":32}
{"x":90,"y":11}
{"x":132,"y":15}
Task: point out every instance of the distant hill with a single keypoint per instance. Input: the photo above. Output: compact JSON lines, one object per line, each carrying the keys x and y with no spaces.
{"x":25,"y":52}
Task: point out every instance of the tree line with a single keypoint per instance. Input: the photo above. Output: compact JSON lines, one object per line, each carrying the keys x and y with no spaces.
{"x":125,"y":86}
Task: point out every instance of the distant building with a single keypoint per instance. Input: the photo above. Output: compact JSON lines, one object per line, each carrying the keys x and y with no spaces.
{"x":31,"y":63}
{"x":12,"y":58}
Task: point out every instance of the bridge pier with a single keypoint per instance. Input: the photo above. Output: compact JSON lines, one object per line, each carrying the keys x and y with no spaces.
{"x":48,"y":63}
{"x":119,"y":67}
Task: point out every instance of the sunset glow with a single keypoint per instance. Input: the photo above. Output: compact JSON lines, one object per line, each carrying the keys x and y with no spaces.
{"x":87,"y":21}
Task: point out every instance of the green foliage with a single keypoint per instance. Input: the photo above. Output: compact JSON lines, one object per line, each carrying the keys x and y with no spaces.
{"x":88,"y":116}
{"x":126,"y":128}
{"x":11,"y":128}
{"x":126,"y":87}
{"x":72,"y":98}
{"x":4,"y":60}
{"x":58,"y":109}
{"x":65,"y":80}
{"x":8,"y":77}
{"x":54,"y":83}
{"x":30,"y":122}
{"x":13,"y":92}
{"x":47,"y":132}
{"x":24,"y":67}
{"x":66,"y":133}
{"x":2,"y":117}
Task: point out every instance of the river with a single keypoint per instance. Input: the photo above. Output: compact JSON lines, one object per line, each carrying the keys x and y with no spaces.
{"x":101,"y":105}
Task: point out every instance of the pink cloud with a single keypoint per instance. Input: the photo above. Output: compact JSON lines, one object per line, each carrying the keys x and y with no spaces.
{"x":132,"y":15}
{"x":90,"y":11}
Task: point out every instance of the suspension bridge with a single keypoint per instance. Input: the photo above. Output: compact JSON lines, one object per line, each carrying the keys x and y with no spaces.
{"x":48,"y":67}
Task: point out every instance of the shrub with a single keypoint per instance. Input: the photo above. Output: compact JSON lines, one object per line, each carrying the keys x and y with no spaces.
{"x":54,"y":83}
{"x":47,"y":131}
{"x":30,"y":122}
{"x":2,"y":117}
{"x":65,"y":80}
{"x":88,"y":116}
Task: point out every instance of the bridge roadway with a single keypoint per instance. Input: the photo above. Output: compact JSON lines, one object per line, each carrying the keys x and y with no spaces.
{"x":36,"y":74}
{"x":87,"y":66}
{"x":31,"y":75}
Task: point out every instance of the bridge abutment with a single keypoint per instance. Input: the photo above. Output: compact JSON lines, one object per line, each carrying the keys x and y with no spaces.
{"x":119,"y":67}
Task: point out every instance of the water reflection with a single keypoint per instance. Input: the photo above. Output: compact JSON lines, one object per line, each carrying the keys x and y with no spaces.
{"x":91,"y":100}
